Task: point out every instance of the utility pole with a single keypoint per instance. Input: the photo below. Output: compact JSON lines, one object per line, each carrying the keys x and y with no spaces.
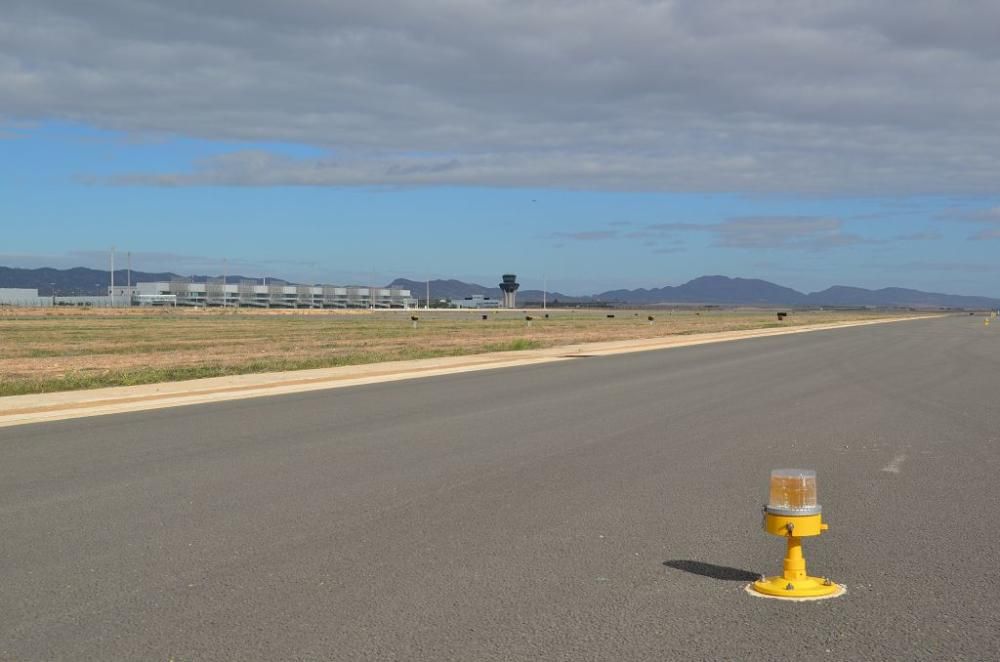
{"x":427,"y":300}
{"x":112,"y":276}
{"x":129,"y":279}
{"x":225,"y":282}
{"x":545,"y":287}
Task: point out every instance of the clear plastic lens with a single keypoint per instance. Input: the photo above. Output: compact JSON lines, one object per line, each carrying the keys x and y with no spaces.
{"x":792,"y":489}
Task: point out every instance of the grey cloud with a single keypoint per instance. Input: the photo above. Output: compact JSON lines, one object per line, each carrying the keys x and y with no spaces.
{"x":785,"y":232}
{"x":591,"y":235}
{"x":980,"y":215}
{"x":662,"y":229}
{"x":988,"y":234}
{"x":919,"y":236}
{"x":961,"y":267}
{"x":989,"y":216}
{"x":808,"y":233}
{"x":762,"y":96}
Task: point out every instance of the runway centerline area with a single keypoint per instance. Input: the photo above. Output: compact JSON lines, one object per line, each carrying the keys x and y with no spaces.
{"x":601,"y":508}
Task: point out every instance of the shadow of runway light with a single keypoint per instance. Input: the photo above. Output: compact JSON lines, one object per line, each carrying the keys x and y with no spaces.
{"x":714,"y":571}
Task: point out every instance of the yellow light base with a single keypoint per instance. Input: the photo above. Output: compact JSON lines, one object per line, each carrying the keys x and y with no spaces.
{"x":807,"y":587}
{"x":795,"y":583}
{"x":800,"y":526}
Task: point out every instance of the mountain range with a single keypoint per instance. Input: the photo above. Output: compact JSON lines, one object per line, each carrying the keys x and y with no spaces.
{"x":81,"y":281}
{"x":751,"y":291}
{"x":717,"y":290}
{"x":722,"y":290}
{"x":456,"y":289}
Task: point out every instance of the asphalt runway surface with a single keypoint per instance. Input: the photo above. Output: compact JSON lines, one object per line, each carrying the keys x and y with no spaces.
{"x":595,"y":509}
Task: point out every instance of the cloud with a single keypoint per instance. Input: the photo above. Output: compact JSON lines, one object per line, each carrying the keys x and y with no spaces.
{"x":991,"y":215}
{"x":683,"y":95}
{"x":988,"y":234}
{"x":959,"y":267}
{"x":664,"y":229}
{"x":588,"y":235}
{"x":919,"y":236}
{"x":987,"y":215}
{"x":808,"y":233}
{"x":785,"y":232}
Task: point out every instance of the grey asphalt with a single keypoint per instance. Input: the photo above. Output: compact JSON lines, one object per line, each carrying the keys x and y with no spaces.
{"x":596,"y":509}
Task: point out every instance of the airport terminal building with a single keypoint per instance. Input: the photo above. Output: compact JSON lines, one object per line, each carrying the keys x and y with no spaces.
{"x":253,"y":295}
{"x":21,"y":296}
{"x":476,"y":301}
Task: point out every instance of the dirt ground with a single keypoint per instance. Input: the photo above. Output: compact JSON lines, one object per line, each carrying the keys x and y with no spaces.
{"x":59,"y":349}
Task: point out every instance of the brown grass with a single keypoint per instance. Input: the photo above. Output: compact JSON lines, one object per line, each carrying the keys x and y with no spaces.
{"x":59,"y":349}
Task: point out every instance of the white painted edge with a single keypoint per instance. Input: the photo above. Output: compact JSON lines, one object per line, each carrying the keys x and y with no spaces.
{"x":836,"y":594}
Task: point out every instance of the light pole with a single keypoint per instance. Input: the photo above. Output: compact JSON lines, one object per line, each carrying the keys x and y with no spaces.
{"x":129,"y":281}
{"x":112,"y":276}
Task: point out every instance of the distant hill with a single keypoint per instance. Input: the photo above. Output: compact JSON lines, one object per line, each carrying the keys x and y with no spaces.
{"x":444,"y":289}
{"x":712,"y":289}
{"x":744,"y":291}
{"x":456,"y":289}
{"x":719,"y":290}
{"x":722,"y":290}
{"x":899,"y":297}
{"x":81,"y":281}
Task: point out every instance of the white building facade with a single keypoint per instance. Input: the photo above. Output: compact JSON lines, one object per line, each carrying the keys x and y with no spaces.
{"x":476,"y":301}
{"x":20,"y":296}
{"x":253,"y":295}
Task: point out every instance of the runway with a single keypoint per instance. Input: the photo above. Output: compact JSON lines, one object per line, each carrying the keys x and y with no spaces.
{"x":599,"y":508}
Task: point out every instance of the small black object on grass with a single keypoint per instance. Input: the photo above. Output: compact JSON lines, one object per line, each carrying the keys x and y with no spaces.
{"x":782,"y":316}
{"x":486,"y":317}
{"x":611,"y":317}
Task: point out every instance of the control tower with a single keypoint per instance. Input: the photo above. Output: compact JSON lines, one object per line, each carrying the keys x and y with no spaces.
{"x":509,"y":287}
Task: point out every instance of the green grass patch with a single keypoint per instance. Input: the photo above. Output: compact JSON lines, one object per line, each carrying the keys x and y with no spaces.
{"x":515,"y":345}
{"x":83,"y":380}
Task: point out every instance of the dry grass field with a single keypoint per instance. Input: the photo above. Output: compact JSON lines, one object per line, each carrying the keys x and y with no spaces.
{"x":43,"y":350}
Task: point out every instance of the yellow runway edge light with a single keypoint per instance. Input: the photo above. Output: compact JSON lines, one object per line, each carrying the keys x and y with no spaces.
{"x":792,"y":513}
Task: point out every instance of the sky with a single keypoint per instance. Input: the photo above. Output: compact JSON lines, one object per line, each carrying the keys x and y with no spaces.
{"x":586,"y":145}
